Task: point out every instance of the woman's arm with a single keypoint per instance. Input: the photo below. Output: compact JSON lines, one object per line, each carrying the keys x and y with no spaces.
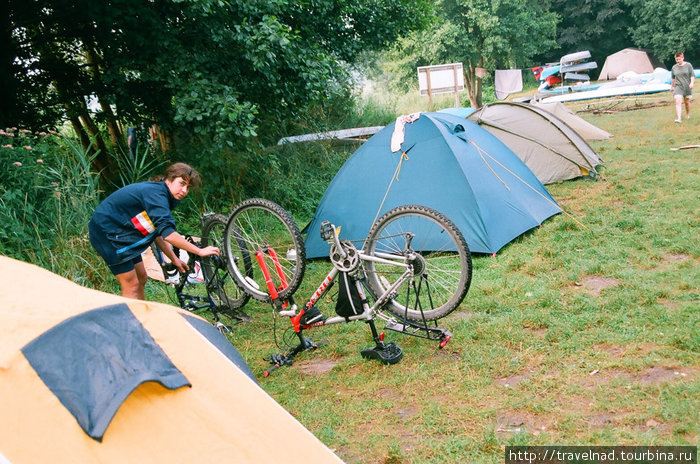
{"x":168,"y":251}
{"x":177,"y":240}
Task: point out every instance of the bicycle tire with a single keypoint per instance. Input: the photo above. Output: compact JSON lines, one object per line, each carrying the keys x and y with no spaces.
{"x":223,"y":289}
{"x":443,"y":267}
{"x":254,"y":228}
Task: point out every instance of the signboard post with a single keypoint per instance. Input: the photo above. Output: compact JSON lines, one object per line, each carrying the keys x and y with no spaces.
{"x":442,"y":78}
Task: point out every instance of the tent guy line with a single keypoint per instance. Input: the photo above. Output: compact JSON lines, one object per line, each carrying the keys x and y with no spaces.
{"x":482,"y":151}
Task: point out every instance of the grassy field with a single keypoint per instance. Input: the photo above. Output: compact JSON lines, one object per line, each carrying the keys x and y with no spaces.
{"x":584,"y":331}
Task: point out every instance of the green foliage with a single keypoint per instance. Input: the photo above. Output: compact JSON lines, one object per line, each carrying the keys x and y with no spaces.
{"x":294,"y":175}
{"x":484,"y":33}
{"x":496,"y":33}
{"x":600,"y":26}
{"x":47,"y":196}
{"x":138,"y":166}
{"x":666,"y":27}
{"x":227,"y":72}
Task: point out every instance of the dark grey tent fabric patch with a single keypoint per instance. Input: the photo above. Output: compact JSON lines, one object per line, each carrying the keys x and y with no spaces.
{"x":212,"y":334}
{"x":93,"y":361}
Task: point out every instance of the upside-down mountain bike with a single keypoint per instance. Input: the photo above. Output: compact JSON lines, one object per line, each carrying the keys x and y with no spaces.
{"x":207,"y":284}
{"x":413,"y":268}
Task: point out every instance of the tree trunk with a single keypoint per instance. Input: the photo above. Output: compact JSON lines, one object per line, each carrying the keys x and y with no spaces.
{"x":80,"y":132}
{"x":101,"y":162}
{"x":115,"y":134}
{"x":473,"y":83}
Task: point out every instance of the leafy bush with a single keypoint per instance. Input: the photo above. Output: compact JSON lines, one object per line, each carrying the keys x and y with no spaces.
{"x":138,"y":166}
{"x":47,"y":196}
{"x":293,"y":175}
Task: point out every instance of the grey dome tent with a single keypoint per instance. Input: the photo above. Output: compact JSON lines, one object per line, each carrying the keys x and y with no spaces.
{"x":629,"y":59}
{"x":550,"y":148}
{"x":584,"y":128}
{"x":445,"y":162}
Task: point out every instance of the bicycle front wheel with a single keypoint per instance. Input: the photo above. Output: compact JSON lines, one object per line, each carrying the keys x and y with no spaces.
{"x":264,"y":235}
{"x":436,"y":251}
{"x":225,"y":292}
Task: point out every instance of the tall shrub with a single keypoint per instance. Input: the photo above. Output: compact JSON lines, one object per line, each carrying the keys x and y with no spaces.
{"x":47,"y":196}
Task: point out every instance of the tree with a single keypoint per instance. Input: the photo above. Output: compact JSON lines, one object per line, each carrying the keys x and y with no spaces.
{"x":204,"y":69}
{"x":666,"y":27}
{"x":599,"y":26}
{"x":481,"y":34}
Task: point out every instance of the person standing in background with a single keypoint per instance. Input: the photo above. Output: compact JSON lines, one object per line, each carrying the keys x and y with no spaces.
{"x":682,"y":81}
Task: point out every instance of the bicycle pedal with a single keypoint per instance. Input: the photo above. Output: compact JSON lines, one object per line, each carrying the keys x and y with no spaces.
{"x":223,"y":328}
{"x":387,"y":353}
{"x":326,"y":231}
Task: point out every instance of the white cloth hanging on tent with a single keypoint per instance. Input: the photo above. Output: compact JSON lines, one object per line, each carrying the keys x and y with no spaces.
{"x":398,"y":134}
{"x":508,"y":81}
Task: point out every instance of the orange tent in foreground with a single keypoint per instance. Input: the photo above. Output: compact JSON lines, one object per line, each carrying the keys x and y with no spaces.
{"x":86,"y":376}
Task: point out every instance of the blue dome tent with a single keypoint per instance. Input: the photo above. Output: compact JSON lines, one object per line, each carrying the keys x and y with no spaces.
{"x":444,"y":162}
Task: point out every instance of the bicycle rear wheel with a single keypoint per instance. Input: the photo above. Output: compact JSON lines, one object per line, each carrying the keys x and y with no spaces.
{"x":228,"y":296}
{"x":441,"y":262}
{"x":264,"y":234}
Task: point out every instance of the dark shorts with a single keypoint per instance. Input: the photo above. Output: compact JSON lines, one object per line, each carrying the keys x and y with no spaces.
{"x":104,"y":248}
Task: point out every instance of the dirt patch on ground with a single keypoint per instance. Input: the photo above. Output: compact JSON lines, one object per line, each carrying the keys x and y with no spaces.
{"x":459,"y":315}
{"x":315,"y":366}
{"x":675,"y":257}
{"x":615,"y":351}
{"x":650,"y":376}
{"x":660,"y":374}
{"x":601,"y":419}
{"x":447,"y":354}
{"x":387,"y":394}
{"x":671,"y":259}
{"x":512,"y":380}
{"x":594,"y":285}
{"x":407,"y":412}
{"x":513,"y":421}
{"x":539,"y":332}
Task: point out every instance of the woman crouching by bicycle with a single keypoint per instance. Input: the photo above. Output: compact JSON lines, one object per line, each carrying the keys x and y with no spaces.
{"x":130,"y":219}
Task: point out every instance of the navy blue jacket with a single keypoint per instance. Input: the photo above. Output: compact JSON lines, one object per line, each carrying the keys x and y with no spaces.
{"x":131,"y":218}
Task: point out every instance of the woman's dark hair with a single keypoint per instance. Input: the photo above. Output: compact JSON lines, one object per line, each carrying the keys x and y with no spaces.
{"x":187,"y":172}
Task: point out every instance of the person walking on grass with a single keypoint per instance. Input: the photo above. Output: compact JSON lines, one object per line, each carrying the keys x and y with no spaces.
{"x":133,"y":217}
{"x":682,"y":80}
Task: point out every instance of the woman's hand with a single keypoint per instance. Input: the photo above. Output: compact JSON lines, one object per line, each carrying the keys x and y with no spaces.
{"x":181,"y":266}
{"x":208,"y":251}
{"x":182,"y":243}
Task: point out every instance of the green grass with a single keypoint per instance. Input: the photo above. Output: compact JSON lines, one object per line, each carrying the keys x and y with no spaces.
{"x":585,"y":331}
